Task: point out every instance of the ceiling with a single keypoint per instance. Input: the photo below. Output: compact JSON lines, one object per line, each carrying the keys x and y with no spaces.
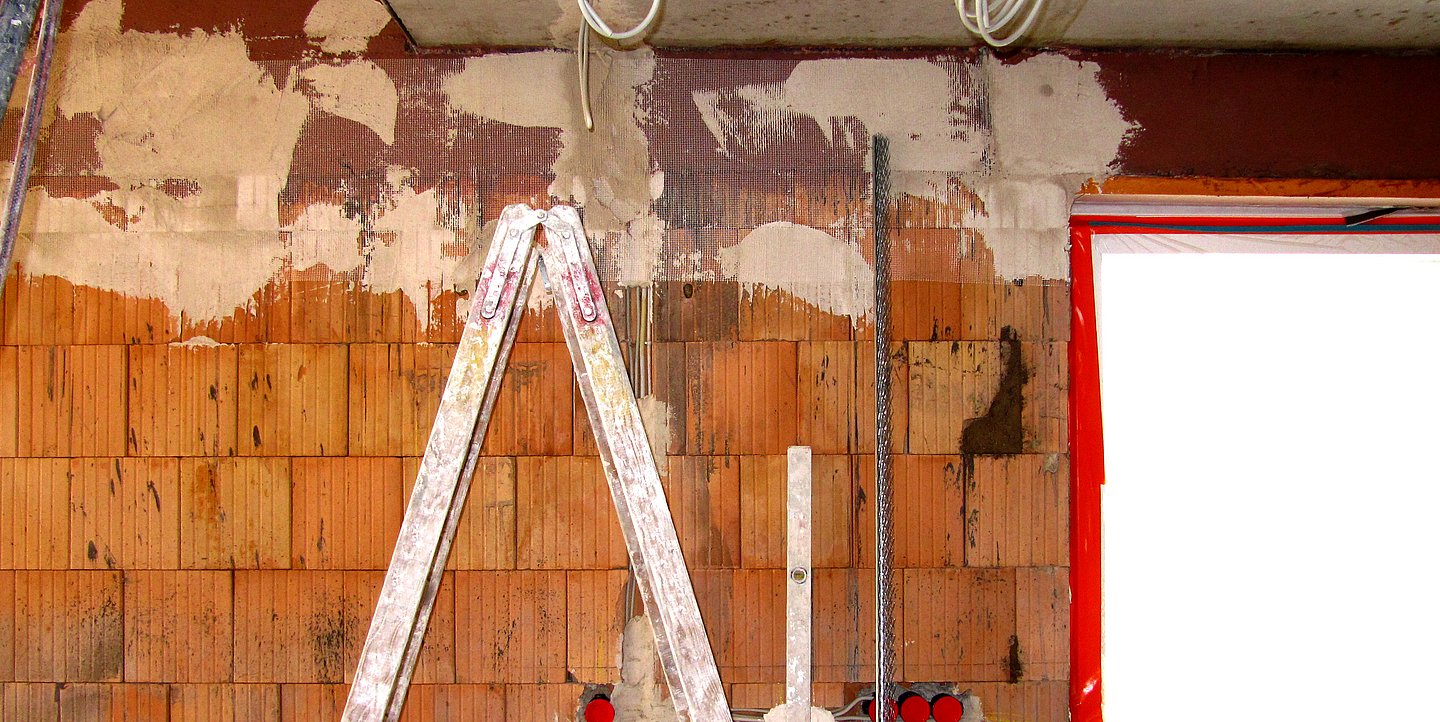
{"x":1227,"y":24}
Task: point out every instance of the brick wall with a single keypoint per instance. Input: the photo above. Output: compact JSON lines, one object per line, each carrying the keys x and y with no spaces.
{"x":204,"y":528}
{"x":197,"y":502}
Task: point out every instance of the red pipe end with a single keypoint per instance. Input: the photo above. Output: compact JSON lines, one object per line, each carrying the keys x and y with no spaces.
{"x":600,"y":710}
{"x":870,"y":709}
{"x":914,"y":708}
{"x":946,"y":708}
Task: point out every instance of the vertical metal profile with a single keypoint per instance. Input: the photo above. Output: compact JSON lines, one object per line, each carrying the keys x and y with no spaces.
{"x":884,"y":597}
{"x":15,"y":14}
{"x":798,"y":583}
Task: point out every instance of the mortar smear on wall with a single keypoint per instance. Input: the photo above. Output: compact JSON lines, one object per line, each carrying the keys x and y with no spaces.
{"x":810,"y":264}
{"x":346,"y":26}
{"x":1020,"y":135}
{"x":608,"y":170}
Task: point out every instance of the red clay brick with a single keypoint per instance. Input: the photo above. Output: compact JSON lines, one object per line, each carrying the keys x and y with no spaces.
{"x":741,"y":398}
{"x":68,"y":626}
{"x":29,"y":702}
{"x":957,"y":624}
{"x":292,"y":400}
{"x":564,"y":517}
{"x":704,"y":497}
{"x":929,"y":511}
{"x":182,"y":400}
{"x":178,"y":626}
{"x":532,"y":413}
{"x":9,"y":400}
{"x":114,"y":702}
{"x":34,"y":513}
{"x":1042,"y":619}
{"x":224,"y":703}
{"x":71,"y":401}
{"x":395,"y":391}
{"x":510,"y":627}
{"x":125,"y":513}
{"x":773,"y":315}
{"x":1018,"y":511}
{"x":485,"y":538}
{"x":235,"y":513}
{"x":827,"y":395}
{"x":455,"y":703}
{"x":346,"y":512}
{"x":594,"y":623}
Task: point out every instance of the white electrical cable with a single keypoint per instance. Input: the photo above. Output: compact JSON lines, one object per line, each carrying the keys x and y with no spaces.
{"x":987,"y":21}
{"x":590,"y":20}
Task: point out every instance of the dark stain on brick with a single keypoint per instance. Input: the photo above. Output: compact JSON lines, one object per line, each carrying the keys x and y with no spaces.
{"x":1015,"y":669}
{"x":1000,"y":430}
{"x":329,"y":636}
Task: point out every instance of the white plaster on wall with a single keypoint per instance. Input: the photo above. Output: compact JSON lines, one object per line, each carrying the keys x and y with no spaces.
{"x":408,"y":254}
{"x":638,"y":695}
{"x":346,"y":26}
{"x":608,"y":170}
{"x":908,"y":100}
{"x":810,"y":264}
{"x":783,"y":713}
{"x":1023,"y":136}
{"x":195,"y":107}
{"x":358,"y":90}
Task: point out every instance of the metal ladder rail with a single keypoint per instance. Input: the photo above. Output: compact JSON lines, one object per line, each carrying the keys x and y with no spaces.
{"x":402,"y":613}
{"x":397,"y":630}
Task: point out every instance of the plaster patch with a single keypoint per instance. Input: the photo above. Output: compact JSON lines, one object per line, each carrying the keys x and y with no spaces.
{"x":607,"y":171}
{"x":203,"y":273}
{"x":409,"y":250}
{"x":810,"y":264}
{"x":638,"y":696}
{"x":358,"y":90}
{"x":198,"y":342}
{"x":909,"y":101}
{"x":190,"y":107}
{"x":1022,"y":136}
{"x":657,"y":417}
{"x":324,"y":236}
{"x":782,"y":714}
{"x":1051,"y":116}
{"x":176,"y":106}
{"x":346,"y":26}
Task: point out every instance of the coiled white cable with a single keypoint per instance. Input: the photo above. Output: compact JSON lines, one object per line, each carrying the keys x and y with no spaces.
{"x":987,"y":21}
{"x":590,"y":20}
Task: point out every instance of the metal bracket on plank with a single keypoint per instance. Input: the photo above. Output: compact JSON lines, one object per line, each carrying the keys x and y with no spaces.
{"x":397,"y":629}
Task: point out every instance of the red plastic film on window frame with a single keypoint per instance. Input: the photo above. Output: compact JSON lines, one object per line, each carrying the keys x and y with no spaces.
{"x":1087,"y":473}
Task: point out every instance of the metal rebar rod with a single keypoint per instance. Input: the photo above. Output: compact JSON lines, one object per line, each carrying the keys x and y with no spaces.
{"x":884,"y":597}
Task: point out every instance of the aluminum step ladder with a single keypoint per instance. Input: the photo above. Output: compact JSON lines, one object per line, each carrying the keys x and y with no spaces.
{"x":402,"y":613}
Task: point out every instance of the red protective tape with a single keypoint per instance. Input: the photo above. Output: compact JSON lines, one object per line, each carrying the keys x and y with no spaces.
{"x":1087,"y":473}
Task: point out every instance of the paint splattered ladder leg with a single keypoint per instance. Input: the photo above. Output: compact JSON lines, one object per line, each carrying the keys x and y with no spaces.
{"x":645,"y":518}
{"x":402,"y":613}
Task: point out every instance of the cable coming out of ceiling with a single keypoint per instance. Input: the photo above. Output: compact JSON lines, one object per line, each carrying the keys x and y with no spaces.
{"x":979,"y":16}
{"x":989,"y":21}
{"x":590,"y":20}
